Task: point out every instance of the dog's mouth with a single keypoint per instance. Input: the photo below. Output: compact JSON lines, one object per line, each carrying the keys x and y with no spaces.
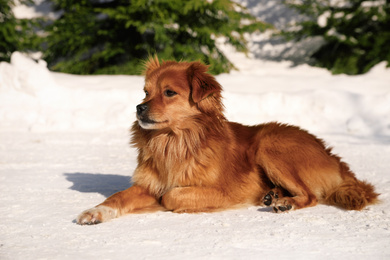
{"x":147,"y":123}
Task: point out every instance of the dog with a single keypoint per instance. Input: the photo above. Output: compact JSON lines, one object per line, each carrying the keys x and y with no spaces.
{"x":191,"y":159}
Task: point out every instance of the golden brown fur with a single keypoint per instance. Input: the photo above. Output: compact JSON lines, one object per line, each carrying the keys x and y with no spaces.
{"x":191,"y":159}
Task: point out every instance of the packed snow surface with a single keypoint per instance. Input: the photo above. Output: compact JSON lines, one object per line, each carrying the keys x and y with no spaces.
{"x":64,"y":148}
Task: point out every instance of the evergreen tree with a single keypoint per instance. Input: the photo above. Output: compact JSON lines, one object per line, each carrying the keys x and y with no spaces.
{"x":356,"y":32}
{"x":15,"y":34}
{"x":112,"y":36}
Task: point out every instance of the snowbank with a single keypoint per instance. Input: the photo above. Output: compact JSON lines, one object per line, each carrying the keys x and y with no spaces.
{"x":34,"y":99}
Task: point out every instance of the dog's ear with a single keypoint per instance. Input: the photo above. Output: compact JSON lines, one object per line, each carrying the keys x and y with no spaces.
{"x":151,"y":64}
{"x":202,"y":84}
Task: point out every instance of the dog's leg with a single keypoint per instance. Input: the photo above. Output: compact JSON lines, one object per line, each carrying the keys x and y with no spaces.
{"x":292,"y":173}
{"x":195,"y":199}
{"x":133,"y":200}
{"x":290,"y":191}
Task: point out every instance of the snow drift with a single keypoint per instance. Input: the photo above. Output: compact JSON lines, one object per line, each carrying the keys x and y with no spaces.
{"x":34,"y":99}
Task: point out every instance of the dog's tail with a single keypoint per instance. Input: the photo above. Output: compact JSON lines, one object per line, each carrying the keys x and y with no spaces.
{"x":352,"y":194}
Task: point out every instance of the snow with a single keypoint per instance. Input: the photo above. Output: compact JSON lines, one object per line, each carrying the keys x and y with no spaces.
{"x":322,"y":20}
{"x":64,"y":148}
{"x":39,"y":8}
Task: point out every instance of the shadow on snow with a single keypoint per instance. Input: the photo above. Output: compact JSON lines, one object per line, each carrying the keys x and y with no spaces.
{"x":105,"y":184}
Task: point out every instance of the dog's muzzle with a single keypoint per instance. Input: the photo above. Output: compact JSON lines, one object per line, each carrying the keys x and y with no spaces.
{"x":143,"y":118}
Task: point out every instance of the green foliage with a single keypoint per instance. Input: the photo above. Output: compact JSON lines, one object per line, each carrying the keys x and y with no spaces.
{"x":8,"y":33}
{"x":111,"y":37}
{"x":15,"y":34}
{"x":356,"y":32}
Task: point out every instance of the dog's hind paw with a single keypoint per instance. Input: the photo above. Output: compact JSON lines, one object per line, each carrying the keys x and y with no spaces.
{"x":282,"y":208}
{"x":278,"y":204}
{"x":96,"y":215}
{"x":269,"y":198}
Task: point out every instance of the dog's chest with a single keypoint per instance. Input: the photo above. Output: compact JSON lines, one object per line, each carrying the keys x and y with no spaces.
{"x":181,"y":163}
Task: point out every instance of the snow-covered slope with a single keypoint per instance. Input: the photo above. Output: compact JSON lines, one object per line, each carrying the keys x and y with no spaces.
{"x":34,"y":99}
{"x":64,"y":148}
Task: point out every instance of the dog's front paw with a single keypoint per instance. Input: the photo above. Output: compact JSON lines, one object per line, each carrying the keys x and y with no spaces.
{"x":96,"y":215}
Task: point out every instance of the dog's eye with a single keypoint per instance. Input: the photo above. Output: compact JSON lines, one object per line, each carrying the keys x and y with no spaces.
{"x":146,"y":93}
{"x":169,"y":93}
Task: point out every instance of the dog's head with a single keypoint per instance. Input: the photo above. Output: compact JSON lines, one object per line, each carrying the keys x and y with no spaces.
{"x":176,"y":92}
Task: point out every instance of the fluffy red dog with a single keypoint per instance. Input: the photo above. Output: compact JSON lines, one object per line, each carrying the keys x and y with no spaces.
{"x":191,"y":159}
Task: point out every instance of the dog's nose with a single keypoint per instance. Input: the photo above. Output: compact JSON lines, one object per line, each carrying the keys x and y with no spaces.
{"x":142,"y":108}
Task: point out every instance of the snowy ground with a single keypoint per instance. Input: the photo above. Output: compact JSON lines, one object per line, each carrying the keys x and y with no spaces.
{"x":64,"y":148}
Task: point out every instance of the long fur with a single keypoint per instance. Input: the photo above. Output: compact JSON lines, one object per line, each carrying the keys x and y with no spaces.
{"x":191,"y":159}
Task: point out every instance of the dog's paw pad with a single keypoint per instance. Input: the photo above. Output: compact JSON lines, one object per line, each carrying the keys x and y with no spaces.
{"x":284,"y":208}
{"x":269,"y":198}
